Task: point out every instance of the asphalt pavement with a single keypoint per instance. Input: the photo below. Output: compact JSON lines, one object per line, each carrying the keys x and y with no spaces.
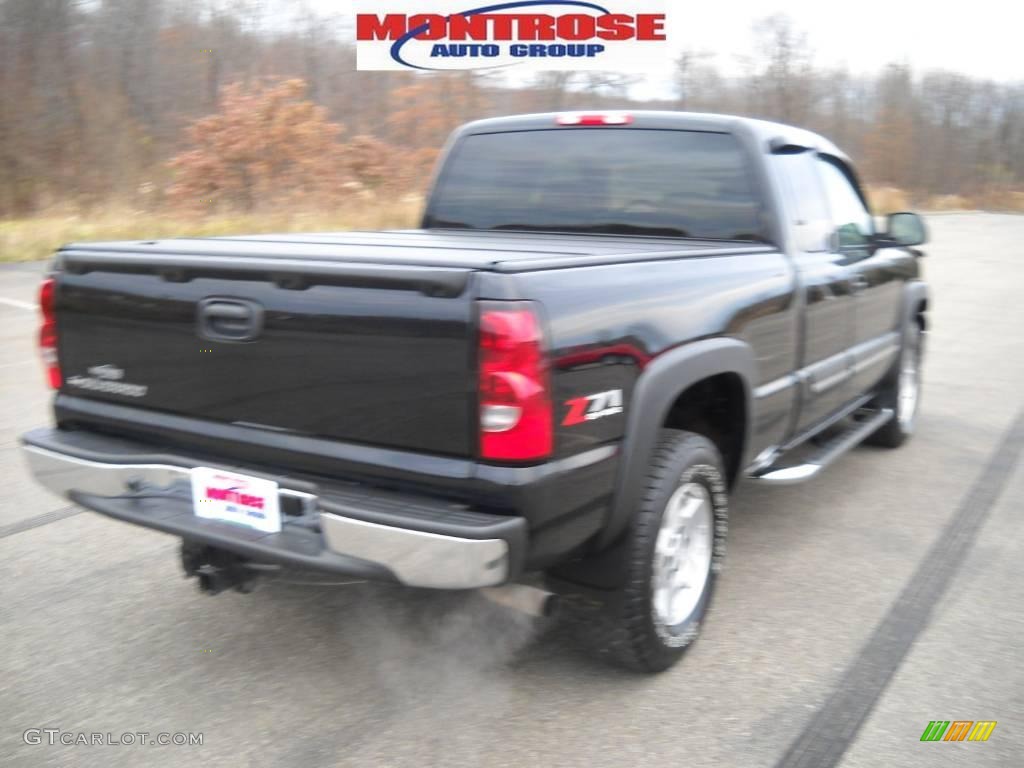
{"x":853,"y":610}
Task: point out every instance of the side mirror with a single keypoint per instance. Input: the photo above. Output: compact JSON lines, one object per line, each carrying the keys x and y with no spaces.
{"x":907,"y":229}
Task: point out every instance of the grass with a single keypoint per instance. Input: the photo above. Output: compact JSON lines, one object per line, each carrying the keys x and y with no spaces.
{"x":39,"y":236}
{"x":890,"y":199}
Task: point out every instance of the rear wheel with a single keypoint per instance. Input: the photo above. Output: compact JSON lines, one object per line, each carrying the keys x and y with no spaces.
{"x":902,"y":392}
{"x":675,"y":547}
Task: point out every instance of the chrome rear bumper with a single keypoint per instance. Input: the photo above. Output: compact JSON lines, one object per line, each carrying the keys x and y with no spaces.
{"x":322,"y":536}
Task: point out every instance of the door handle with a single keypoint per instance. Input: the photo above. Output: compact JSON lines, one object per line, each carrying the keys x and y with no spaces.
{"x":858,"y":283}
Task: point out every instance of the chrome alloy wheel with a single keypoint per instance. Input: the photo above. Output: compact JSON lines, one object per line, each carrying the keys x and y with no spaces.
{"x":909,"y":384}
{"x":682,"y":554}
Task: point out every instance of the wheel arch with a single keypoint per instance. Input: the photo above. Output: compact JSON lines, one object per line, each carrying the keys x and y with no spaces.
{"x":659,"y":388}
{"x":916,"y":301}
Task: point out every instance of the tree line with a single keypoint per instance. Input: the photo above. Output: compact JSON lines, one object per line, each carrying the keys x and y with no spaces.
{"x":131,"y":102}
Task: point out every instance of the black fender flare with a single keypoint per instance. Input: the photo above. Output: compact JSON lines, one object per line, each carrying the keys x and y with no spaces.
{"x":657,"y":388}
{"x":914,"y":292}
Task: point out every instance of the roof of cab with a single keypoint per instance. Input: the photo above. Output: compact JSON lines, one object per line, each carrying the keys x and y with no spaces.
{"x":762,"y":131}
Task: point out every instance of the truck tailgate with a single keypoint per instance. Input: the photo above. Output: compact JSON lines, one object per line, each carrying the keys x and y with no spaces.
{"x":364,"y":353}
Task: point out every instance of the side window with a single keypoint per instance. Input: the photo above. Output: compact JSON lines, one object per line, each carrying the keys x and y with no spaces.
{"x":810,"y":219}
{"x":849,"y":215}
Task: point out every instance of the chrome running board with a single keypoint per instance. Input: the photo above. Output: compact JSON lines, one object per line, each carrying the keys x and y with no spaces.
{"x":826,"y":454}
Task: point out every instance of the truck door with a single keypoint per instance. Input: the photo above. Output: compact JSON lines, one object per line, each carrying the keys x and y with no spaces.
{"x":823,"y":361}
{"x":876,"y":277}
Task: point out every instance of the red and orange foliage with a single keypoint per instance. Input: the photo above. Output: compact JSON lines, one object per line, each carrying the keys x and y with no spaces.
{"x":269,"y":146}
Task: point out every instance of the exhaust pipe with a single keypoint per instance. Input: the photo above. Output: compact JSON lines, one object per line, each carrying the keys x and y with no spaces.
{"x":217,"y":570}
{"x":525,"y":598}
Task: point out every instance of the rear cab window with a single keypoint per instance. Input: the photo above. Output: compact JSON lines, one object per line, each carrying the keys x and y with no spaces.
{"x":810,"y":216}
{"x":607,"y":180}
{"x":851,"y":218}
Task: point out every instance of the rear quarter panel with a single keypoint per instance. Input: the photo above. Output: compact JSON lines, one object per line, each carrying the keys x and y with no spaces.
{"x":606,"y":323}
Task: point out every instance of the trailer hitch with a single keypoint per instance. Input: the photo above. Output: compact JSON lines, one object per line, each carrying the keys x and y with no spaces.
{"x":216,"y":570}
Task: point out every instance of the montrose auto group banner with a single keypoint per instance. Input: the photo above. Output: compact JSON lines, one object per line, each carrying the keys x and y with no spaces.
{"x":574,"y":35}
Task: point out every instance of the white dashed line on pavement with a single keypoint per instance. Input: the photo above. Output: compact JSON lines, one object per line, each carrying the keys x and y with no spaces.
{"x":26,"y":305}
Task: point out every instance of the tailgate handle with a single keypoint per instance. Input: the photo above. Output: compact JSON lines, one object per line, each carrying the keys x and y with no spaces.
{"x":229,"y":311}
{"x":229,"y":319}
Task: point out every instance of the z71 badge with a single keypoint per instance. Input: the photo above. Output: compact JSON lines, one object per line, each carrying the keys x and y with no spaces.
{"x":592,"y":407}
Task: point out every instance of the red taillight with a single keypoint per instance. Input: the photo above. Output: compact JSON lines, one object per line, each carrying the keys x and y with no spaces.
{"x":515,"y":402}
{"x":605,"y":118}
{"x":48,"y":334}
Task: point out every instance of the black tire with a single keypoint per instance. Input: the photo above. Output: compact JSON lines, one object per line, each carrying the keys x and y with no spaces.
{"x":898,"y":430}
{"x":624,"y":626}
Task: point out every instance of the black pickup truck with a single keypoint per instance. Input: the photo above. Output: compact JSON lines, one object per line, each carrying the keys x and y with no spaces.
{"x":605,"y":322}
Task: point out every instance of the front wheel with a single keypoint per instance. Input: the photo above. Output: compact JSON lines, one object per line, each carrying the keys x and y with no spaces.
{"x":901,"y":392}
{"x":676,"y":543}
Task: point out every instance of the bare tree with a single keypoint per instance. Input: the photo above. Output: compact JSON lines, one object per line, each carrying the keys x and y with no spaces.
{"x":782,"y":85}
{"x":553,"y":88}
{"x":95,"y":96}
{"x":693,"y":71}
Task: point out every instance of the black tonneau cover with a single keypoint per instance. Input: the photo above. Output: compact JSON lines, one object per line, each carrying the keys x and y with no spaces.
{"x":445,"y":249}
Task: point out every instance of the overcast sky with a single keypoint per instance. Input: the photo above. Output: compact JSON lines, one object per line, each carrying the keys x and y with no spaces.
{"x":983,"y":38}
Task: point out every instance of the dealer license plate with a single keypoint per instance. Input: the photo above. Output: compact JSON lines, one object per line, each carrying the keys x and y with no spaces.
{"x":234,"y":498}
